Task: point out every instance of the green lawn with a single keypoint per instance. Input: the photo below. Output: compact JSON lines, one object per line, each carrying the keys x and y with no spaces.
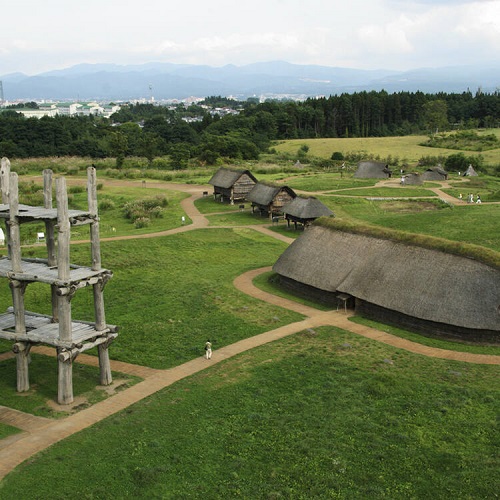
{"x":388,"y":192}
{"x":169,"y":294}
{"x":7,"y":430}
{"x":43,"y":386}
{"x":321,"y":414}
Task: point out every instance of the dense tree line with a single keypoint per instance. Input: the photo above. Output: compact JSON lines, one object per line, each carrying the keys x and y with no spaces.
{"x":183,"y":133}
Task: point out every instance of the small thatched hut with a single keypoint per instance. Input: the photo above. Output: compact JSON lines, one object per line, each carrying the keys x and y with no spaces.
{"x":435,"y":174}
{"x":232,"y":185}
{"x":413,"y":179}
{"x":372,"y":170}
{"x":270,"y":199}
{"x":417,"y":288}
{"x":305,"y":210}
{"x":470,"y":172}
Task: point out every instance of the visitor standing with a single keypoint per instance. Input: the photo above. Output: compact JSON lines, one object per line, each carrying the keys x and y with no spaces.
{"x":208,"y":349}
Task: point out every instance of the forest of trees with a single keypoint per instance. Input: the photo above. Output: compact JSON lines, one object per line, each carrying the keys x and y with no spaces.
{"x":150,"y":131}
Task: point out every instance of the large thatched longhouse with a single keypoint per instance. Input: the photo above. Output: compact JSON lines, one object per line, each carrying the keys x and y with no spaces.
{"x":414,"y":287}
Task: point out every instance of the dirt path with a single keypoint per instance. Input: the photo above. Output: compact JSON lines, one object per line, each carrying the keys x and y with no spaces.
{"x":40,"y":433}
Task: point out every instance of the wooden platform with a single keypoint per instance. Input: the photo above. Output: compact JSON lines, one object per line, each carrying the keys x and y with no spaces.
{"x":28,"y":213}
{"x":41,"y":330}
{"x":38,"y":270}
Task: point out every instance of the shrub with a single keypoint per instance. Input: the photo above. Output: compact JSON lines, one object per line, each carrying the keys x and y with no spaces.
{"x":141,"y":222}
{"x":76,"y":189}
{"x":106,"y":204}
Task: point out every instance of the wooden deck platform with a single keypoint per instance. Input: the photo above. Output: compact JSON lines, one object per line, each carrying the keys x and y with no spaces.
{"x":28,"y":213}
{"x":41,"y":330}
{"x":39,"y":270}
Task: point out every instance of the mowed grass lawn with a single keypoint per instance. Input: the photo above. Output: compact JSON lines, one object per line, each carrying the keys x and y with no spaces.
{"x":320,"y":414}
{"x":169,"y":294}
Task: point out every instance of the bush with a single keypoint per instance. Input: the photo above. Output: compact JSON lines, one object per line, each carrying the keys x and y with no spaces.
{"x":106,"y":204}
{"x":76,"y":189}
{"x":141,"y":222}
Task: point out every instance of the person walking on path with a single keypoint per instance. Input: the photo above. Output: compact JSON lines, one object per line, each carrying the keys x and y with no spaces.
{"x":208,"y":349}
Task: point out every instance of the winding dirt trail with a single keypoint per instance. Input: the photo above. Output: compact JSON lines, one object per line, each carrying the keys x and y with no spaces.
{"x":40,"y":433}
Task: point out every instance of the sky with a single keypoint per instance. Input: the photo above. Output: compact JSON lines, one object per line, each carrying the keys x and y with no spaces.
{"x":399,"y":35}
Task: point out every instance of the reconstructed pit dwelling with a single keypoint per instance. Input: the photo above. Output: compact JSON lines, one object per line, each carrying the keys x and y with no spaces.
{"x":422,"y":289}
{"x":69,"y":337}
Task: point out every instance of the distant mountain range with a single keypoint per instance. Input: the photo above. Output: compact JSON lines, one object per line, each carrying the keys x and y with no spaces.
{"x":179,"y":81}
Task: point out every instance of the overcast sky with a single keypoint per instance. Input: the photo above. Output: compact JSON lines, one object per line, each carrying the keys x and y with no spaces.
{"x":38,"y":36}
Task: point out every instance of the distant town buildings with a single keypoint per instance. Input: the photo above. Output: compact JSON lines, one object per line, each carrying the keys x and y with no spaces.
{"x":69,"y":109}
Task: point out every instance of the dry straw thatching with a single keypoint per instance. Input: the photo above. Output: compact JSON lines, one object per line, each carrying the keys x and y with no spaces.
{"x":429,"y":285}
{"x":372,"y":170}
{"x":306,"y":208}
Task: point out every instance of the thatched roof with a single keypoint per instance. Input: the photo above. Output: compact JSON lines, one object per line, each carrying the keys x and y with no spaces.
{"x":306,"y":208}
{"x":413,"y":179}
{"x":470,"y":171}
{"x":226,"y":178}
{"x":372,"y":170}
{"x":422,"y":283}
{"x":438,"y":170}
{"x":435,"y":174}
{"x":264,"y":194}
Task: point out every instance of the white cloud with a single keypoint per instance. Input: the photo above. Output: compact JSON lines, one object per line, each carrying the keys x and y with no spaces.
{"x":395,"y":34}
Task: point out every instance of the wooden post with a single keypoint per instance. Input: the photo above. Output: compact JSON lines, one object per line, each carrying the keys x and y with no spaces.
{"x":22,"y":351}
{"x":65,"y":378}
{"x":15,"y":257}
{"x":5,"y":187}
{"x":50,"y":237}
{"x":18,"y":288}
{"x":63,"y":268}
{"x":65,"y":382}
{"x":100,"y":317}
{"x":4,"y":177}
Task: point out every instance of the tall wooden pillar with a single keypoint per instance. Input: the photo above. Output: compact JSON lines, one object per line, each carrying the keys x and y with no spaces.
{"x":22,"y":351}
{"x":17,"y":287}
{"x":50,"y":238}
{"x":5,"y":183}
{"x":65,"y":373}
{"x":100,"y":317}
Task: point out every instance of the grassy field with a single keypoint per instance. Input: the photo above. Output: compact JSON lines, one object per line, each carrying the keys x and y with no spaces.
{"x":407,"y":149}
{"x":43,"y":386}
{"x":388,"y":192}
{"x":321,"y":414}
{"x":170,"y":294}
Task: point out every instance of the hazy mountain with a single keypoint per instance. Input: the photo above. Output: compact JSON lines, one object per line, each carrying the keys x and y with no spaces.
{"x":166,"y":80}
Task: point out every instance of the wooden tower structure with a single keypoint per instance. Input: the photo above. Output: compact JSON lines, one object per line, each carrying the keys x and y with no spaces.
{"x":58,"y":330}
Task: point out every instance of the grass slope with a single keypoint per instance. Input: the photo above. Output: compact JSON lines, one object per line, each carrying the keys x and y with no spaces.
{"x":322,"y":414}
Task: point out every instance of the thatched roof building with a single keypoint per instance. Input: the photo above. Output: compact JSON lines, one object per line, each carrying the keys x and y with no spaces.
{"x":305,"y":210}
{"x":470,"y":172}
{"x":413,"y":179}
{"x":435,"y":174}
{"x":372,"y":170}
{"x":269,"y":199}
{"x":418,"y":288}
{"x":232,"y":185}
